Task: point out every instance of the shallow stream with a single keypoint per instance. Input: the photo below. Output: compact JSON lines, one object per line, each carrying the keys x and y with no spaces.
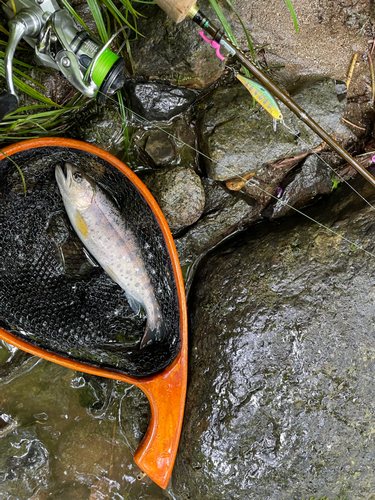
{"x":64,"y":434}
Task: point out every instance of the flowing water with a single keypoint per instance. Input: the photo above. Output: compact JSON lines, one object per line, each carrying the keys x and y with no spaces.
{"x":65,"y":435}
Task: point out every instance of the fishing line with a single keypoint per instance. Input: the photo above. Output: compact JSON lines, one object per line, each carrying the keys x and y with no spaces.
{"x":335,"y":233}
{"x":328,"y":165}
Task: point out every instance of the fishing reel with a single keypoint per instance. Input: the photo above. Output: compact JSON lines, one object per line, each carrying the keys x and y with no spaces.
{"x":88,"y":64}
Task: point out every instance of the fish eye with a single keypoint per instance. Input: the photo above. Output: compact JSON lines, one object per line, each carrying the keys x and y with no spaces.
{"x":77,"y":177}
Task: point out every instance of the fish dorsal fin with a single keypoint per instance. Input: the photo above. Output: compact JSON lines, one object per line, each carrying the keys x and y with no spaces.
{"x":81,"y":224}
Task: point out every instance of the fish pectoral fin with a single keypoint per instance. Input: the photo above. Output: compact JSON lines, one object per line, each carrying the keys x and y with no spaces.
{"x":81,"y":224}
{"x":134,"y":304}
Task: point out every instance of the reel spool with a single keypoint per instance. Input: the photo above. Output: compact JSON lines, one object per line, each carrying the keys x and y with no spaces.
{"x":88,"y":64}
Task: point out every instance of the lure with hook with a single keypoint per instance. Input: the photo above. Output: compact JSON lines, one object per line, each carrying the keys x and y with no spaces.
{"x":262,"y":96}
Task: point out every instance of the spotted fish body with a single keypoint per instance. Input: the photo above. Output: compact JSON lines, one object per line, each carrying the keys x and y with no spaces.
{"x":262,"y":96}
{"x":102,"y":230}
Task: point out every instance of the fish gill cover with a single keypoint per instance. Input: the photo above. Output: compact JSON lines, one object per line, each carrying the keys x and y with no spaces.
{"x":53,"y":294}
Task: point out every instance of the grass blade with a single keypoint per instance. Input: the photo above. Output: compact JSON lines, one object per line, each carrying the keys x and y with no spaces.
{"x":76,"y":16}
{"x":249,"y":42}
{"x":290,"y":7}
{"x":19,"y":170}
{"x":118,"y":15}
{"x":98,"y":18}
{"x":224,"y":22}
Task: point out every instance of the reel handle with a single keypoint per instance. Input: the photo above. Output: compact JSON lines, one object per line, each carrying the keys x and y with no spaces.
{"x":25,"y":24}
{"x":8,"y":104}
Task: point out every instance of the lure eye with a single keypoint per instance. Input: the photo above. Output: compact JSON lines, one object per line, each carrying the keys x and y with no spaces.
{"x":77,"y":177}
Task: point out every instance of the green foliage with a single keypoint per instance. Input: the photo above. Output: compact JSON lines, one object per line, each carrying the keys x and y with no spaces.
{"x":18,"y":168}
{"x":335,"y":183}
{"x":50,"y":118}
{"x":290,"y":7}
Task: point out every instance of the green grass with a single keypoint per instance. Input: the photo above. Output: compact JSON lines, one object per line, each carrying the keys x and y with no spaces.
{"x":51,"y":118}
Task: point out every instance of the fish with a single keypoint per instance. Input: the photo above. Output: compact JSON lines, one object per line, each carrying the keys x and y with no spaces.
{"x":104,"y":233}
{"x":262,"y":96}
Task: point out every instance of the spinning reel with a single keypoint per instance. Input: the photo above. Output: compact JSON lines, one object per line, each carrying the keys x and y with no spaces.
{"x":88,"y":64}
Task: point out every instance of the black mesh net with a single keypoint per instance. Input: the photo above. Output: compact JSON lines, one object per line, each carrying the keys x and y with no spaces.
{"x":53,"y":294}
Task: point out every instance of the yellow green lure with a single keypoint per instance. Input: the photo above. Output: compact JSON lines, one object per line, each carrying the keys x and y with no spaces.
{"x":262,"y":96}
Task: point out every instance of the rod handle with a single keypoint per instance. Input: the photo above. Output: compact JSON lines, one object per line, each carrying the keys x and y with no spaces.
{"x":176,"y":9}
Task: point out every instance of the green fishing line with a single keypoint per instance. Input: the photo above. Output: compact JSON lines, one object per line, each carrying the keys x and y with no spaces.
{"x":103,"y":66}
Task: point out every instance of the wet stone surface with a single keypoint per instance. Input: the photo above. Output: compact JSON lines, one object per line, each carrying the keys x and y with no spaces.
{"x":166,"y":143}
{"x":158,"y":101}
{"x":280,"y":399}
{"x":66,"y":435}
{"x":179,"y":193}
{"x":240,"y":139}
{"x":100,"y":125}
{"x":314,"y":178}
{"x":174,"y":52}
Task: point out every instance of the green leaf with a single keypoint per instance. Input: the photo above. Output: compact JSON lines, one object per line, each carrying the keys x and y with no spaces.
{"x":290,"y":7}
{"x":76,"y":16}
{"x":98,"y":18}
{"x":223,"y":21}
{"x":117,"y":14}
{"x":27,"y":89}
{"x":249,"y":42}
{"x":18,"y":168}
{"x":21,"y":73}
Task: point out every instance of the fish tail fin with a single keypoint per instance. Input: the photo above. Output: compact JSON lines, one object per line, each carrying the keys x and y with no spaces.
{"x":153,"y":333}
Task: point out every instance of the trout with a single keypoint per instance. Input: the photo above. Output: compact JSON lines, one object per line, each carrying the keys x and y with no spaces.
{"x":103,"y":232}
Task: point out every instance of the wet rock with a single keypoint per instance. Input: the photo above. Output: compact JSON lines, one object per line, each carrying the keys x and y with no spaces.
{"x":239,"y":137}
{"x":99,"y":125}
{"x":86,"y":450}
{"x":160,"y":148}
{"x":281,"y":396}
{"x":7,"y":424}
{"x":166,"y":143}
{"x":14,"y":361}
{"x":230,"y":216}
{"x":94,"y":392}
{"x":158,"y":101}
{"x":314,"y":178}
{"x":174,"y":52}
{"x":215,"y":194}
{"x":24,"y":467}
{"x":179,"y":193}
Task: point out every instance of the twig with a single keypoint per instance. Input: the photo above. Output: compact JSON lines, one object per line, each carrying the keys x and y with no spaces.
{"x":352,"y":124}
{"x":372,"y":79}
{"x":350,"y":74}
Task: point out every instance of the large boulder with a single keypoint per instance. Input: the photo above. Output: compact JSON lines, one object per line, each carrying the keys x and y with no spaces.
{"x":280,"y":400}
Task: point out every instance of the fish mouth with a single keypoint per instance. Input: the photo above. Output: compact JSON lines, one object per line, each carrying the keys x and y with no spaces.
{"x":62,"y":176}
{"x":65,"y":170}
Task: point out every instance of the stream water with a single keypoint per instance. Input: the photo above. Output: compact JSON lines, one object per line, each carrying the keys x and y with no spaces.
{"x":63,"y":435}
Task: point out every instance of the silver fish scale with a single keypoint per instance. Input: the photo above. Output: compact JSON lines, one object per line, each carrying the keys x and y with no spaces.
{"x":115,"y":247}
{"x":52,"y":294}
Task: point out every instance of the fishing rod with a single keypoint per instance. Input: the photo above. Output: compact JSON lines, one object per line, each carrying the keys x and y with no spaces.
{"x":178,"y":10}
